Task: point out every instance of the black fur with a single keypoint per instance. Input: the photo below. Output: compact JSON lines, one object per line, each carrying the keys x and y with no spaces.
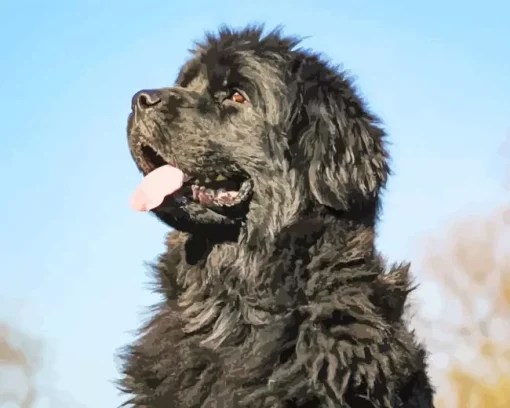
{"x":282,"y":302}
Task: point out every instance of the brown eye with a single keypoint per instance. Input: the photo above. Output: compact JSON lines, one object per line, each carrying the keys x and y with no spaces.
{"x":238,"y":97}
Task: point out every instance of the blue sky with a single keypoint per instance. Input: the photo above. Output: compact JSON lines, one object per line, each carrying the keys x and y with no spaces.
{"x":71,"y":250}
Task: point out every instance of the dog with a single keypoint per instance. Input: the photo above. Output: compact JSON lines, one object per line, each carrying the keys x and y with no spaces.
{"x":269,"y":167}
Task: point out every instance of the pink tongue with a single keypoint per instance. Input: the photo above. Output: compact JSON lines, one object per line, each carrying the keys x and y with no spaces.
{"x":156,"y":186}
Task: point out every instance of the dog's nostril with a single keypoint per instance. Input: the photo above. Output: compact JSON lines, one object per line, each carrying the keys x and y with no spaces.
{"x":145,"y":99}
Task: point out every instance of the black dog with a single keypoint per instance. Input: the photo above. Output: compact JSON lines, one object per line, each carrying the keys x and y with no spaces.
{"x":269,"y":167}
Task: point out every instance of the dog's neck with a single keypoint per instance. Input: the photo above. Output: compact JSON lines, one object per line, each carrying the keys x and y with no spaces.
{"x":265,"y":280}
{"x":316,"y":239}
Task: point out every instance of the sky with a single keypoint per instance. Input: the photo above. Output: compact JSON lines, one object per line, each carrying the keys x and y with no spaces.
{"x":72,"y":253}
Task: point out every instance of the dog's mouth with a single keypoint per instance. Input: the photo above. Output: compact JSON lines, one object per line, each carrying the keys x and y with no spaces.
{"x":163,"y":178}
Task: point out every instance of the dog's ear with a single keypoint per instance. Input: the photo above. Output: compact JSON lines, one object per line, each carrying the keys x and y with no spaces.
{"x":334,"y":137}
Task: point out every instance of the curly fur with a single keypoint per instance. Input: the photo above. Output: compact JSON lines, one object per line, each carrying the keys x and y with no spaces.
{"x":287,"y":304}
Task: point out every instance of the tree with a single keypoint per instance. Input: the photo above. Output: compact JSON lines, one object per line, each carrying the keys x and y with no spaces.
{"x":471,"y":266}
{"x":18,"y":366}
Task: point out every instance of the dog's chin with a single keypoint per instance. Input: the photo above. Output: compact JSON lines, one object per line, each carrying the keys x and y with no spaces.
{"x":215,"y":223}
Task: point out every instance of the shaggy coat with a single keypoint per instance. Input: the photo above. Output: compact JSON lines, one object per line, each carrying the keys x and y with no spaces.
{"x":277,"y":298}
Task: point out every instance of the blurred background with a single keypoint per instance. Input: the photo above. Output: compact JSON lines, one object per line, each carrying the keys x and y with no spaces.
{"x":73,"y":285}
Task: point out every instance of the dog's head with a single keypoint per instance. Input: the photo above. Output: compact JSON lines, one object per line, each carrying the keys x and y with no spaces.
{"x":254,"y":125}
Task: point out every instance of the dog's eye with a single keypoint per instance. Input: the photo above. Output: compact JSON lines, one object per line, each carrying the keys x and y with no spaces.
{"x":237,"y":97}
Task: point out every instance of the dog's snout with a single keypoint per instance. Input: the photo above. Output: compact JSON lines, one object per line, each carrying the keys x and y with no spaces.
{"x":145,"y":99}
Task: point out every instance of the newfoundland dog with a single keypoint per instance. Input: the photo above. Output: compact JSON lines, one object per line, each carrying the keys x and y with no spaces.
{"x":268,"y":165}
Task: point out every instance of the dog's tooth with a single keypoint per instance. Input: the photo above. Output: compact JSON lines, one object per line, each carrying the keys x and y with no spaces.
{"x":194,"y":189}
{"x":207,"y":180}
{"x":221,"y":177}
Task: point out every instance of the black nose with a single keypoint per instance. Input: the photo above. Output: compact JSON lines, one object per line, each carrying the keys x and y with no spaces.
{"x":145,"y":99}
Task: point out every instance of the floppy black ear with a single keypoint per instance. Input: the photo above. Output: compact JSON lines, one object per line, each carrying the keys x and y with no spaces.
{"x":334,"y":136}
